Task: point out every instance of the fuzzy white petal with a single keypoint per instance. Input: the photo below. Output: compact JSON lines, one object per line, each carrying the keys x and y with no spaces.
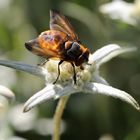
{"x":106,"y":53}
{"x":67,"y":90}
{"x":116,"y":53}
{"x":35,"y":70}
{"x":110,"y":91}
{"x":49,"y":92}
{"x":99,"y":79}
{"x":7,"y":93}
{"x":45,"y":94}
{"x":103,"y":52}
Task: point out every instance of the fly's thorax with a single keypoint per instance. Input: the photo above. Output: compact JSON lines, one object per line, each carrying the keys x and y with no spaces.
{"x":76,"y":53}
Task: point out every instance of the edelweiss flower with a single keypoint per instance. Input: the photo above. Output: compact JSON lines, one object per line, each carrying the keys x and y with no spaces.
{"x":126,"y":12}
{"x":88,"y":80}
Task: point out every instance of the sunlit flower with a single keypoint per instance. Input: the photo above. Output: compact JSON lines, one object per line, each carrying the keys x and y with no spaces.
{"x":6,"y":96}
{"x":46,"y":126}
{"x":20,"y":121}
{"x":124,"y":11}
{"x":88,"y":79}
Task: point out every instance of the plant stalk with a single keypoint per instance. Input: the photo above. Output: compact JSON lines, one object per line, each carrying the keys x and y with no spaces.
{"x":58,"y":116}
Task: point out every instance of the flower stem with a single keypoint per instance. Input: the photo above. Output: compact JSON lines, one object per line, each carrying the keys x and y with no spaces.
{"x":58,"y":116}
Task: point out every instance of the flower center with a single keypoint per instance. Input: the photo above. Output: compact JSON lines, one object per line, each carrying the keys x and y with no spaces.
{"x":66,"y":73}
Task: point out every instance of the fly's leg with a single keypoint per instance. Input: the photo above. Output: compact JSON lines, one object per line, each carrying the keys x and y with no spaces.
{"x":58,"y":71}
{"x":74,"y":73}
{"x":43,"y":62}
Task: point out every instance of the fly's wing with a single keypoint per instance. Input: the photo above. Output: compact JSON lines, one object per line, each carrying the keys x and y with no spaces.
{"x":61,"y":23}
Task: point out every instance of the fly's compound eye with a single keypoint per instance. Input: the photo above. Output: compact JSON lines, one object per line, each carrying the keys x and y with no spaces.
{"x":85,"y":56}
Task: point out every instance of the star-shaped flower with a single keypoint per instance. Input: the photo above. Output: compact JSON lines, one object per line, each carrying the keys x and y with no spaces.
{"x":88,"y":79}
{"x":124,"y":11}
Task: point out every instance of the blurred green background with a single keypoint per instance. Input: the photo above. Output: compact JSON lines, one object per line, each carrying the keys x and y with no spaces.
{"x":86,"y":117}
